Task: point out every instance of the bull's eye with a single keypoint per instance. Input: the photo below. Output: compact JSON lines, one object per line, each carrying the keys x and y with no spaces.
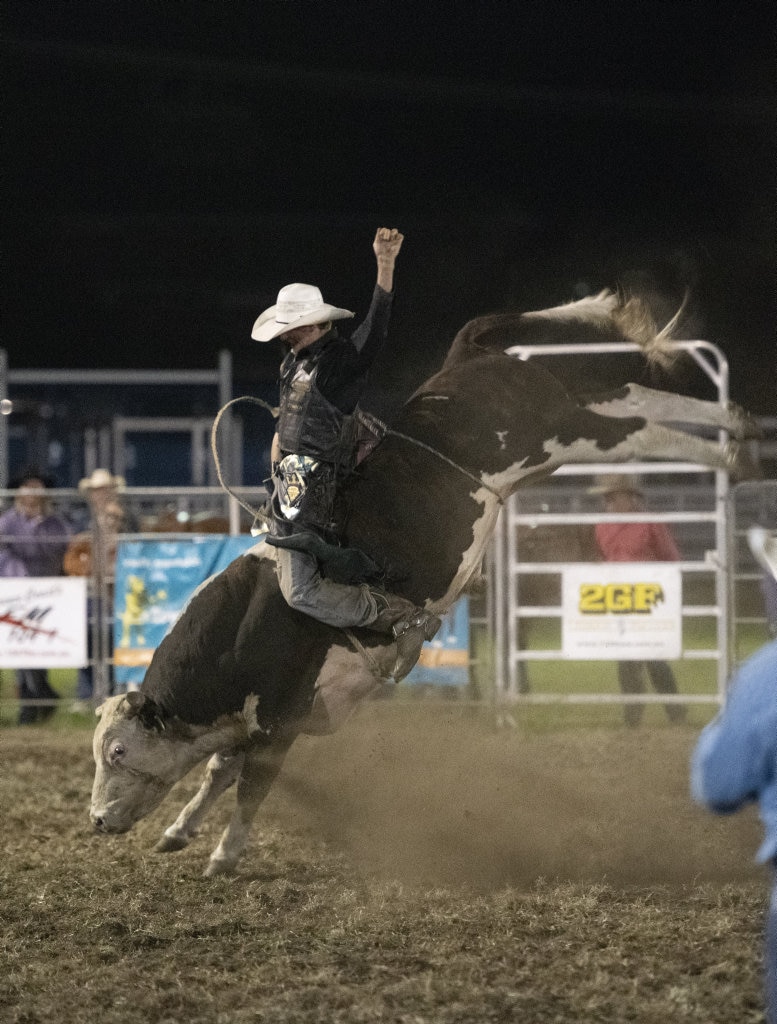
{"x":117,"y":751}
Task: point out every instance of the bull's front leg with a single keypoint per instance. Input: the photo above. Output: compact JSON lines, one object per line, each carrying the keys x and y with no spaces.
{"x":260,"y":769}
{"x":221,"y":771}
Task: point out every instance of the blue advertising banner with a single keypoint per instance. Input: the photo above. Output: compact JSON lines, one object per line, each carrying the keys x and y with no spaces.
{"x":154,"y":580}
{"x":444,"y":661}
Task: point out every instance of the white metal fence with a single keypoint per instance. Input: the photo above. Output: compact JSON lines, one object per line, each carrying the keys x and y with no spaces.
{"x":710,"y":532}
{"x":690,"y":498}
{"x":182,"y":513}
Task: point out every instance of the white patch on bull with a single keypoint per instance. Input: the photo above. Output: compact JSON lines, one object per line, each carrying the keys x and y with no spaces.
{"x":584,"y":449}
{"x":472,"y":558}
{"x":261,"y":550}
{"x":650,"y":441}
{"x":502,"y":437}
{"x":495,"y":485}
{"x":251,"y":715}
{"x":344,"y":681}
{"x":505,"y":481}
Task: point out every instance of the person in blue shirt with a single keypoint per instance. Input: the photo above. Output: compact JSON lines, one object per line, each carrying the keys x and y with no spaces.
{"x":735,"y":763}
{"x":763,"y":544}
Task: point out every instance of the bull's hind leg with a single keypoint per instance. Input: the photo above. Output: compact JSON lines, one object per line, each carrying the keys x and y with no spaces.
{"x":259,"y":771}
{"x":667,"y":407}
{"x":587,"y":437}
{"x":221,"y":771}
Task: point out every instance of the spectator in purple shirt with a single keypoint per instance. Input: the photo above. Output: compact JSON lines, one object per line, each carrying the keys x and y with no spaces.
{"x":32,"y":543}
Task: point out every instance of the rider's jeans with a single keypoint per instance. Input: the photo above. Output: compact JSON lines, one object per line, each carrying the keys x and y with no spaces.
{"x":306,"y":590}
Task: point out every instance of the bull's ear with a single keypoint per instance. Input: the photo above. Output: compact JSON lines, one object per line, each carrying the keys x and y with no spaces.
{"x":99,"y":710}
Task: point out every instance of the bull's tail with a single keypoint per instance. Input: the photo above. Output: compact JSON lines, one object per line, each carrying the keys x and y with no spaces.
{"x":635,"y":319}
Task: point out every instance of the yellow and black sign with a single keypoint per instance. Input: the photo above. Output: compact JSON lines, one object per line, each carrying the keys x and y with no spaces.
{"x":622,"y":611}
{"x":619,"y":598}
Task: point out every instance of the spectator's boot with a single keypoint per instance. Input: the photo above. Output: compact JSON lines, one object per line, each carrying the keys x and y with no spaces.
{"x":408,"y":624}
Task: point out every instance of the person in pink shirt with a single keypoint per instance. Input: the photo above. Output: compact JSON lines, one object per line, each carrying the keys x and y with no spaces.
{"x":636,"y":542}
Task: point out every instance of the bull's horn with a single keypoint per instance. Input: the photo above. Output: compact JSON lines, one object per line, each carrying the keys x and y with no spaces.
{"x":134,"y":701}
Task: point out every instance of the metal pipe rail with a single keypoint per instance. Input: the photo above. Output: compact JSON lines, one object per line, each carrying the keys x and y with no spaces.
{"x":507,"y":610}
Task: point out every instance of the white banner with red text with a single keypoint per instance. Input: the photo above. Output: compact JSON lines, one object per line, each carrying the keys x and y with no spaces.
{"x":43,"y":622}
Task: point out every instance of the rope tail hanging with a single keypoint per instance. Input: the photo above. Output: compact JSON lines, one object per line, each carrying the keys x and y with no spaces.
{"x":273,"y":410}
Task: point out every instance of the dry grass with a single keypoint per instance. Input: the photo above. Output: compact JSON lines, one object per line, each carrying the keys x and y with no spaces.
{"x":414,"y":868}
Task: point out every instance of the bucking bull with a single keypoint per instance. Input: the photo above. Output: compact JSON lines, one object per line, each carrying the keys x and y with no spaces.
{"x":240,"y":675}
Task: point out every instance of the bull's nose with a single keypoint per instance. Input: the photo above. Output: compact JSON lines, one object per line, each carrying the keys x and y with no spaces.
{"x":105,"y":826}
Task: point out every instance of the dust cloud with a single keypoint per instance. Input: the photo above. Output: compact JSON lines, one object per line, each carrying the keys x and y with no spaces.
{"x":430,"y":794}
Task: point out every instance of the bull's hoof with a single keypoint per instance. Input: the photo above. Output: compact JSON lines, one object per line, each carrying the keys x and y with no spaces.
{"x":744,"y":426}
{"x":170,"y":844}
{"x":219,"y":867}
{"x":740,"y":463}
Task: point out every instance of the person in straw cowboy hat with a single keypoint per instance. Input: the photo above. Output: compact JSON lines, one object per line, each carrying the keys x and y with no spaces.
{"x":92,"y":553}
{"x":100,"y":489}
{"x":636,"y":542}
{"x":322,"y":378}
{"x":107,"y":519}
{"x":735,"y":759}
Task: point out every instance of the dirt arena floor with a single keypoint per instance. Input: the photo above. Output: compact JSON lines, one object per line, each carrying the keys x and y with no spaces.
{"x":416,"y":867}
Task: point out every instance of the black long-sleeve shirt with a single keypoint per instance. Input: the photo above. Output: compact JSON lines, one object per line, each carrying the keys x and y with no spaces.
{"x":344,"y":363}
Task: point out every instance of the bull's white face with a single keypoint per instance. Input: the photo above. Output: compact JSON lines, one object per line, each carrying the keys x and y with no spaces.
{"x":136,"y":764}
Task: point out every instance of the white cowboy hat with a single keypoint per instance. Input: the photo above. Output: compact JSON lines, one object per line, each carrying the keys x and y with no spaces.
{"x":298,"y":305}
{"x":763,"y":545}
{"x":100,"y":478}
{"x":616,"y":483}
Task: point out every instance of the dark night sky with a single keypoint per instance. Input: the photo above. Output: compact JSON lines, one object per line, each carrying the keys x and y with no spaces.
{"x":171,"y":165}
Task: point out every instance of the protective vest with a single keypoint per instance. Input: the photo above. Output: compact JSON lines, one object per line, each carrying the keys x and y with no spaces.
{"x":308,"y":424}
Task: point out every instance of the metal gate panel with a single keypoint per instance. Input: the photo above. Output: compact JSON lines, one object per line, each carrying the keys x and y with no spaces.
{"x":507,"y":611}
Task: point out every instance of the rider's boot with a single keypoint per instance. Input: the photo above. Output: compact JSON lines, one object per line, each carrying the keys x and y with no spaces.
{"x":408,"y":624}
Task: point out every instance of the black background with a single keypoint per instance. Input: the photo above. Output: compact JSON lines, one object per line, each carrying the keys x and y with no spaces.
{"x":171,"y":165}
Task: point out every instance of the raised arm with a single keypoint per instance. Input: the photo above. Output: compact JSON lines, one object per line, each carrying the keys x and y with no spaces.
{"x":370,"y":336}
{"x":388,"y":242}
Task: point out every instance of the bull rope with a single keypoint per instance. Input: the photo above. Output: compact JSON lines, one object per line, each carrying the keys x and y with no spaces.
{"x":455,"y":465}
{"x":257,"y":513}
{"x":359,"y":647}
